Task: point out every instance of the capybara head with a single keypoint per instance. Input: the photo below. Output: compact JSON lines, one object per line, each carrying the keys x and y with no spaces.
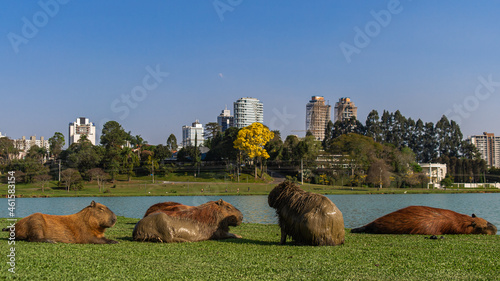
{"x":281,"y":191}
{"x":100,"y":215}
{"x":232,"y":215}
{"x":482,"y":226}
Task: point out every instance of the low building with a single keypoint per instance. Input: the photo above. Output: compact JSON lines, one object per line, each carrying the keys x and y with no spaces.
{"x":24,"y":145}
{"x":436,"y":172}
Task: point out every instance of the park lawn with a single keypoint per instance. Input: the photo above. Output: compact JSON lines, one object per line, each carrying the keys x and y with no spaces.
{"x":161,"y":187}
{"x":257,"y":256}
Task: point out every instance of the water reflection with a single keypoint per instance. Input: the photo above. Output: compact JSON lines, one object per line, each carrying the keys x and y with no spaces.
{"x":356,"y":209}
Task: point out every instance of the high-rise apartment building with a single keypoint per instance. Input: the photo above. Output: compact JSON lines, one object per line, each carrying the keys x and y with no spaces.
{"x":317,"y":116}
{"x":81,"y":127}
{"x":225,"y":120}
{"x":192,"y":135}
{"x":344,"y":110}
{"x":489,"y":147}
{"x":248,"y":111}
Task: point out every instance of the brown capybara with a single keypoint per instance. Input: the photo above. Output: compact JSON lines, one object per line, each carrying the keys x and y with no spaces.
{"x":84,"y":227}
{"x":167,"y":207}
{"x":209,"y":221}
{"x":427,"y":221}
{"x":309,"y":218}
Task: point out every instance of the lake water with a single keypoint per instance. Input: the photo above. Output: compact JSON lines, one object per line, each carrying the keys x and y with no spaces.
{"x":356,"y":209}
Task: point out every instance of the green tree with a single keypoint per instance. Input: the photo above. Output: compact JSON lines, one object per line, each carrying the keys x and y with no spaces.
{"x":329,"y":137}
{"x":113,"y":137}
{"x":36,"y":153}
{"x":223,"y":146}
{"x":416,"y":143}
{"x":153,"y":164}
{"x":172,"y":143}
{"x":32,"y":168}
{"x":162,"y":152}
{"x":344,"y":127}
{"x":130,"y":160}
{"x":212,"y":129}
{"x":83,"y":155}
{"x":372,"y":125}
{"x":275,"y":147}
{"x":430,"y":145}
{"x":56,"y":144}
{"x":7,"y":150}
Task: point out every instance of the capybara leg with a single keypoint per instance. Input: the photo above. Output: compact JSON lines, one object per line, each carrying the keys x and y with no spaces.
{"x":232,"y":235}
{"x":45,"y":240}
{"x":283,"y":237}
{"x":103,"y":241}
{"x":227,"y":235}
{"x":109,"y":241}
{"x":179,"y":240}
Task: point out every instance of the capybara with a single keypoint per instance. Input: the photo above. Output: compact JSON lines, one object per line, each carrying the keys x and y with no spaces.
{"x":427,"y":221}
{"x":84,"y":227}
{"x":209,"y":221}
{"x":167,"y":207}
{"x":309,"y":218}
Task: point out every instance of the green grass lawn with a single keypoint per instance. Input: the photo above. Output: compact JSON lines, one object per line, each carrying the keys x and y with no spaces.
{"x":162,"y":187}
{"x":258,"y":257}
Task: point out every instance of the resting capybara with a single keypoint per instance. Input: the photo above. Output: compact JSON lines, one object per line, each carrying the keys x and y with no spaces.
{"x":309,"y":218}
{"x":427,"y":221}
{"x":84,"y":227}
{"x":209,"y":221}
{"x":167,"y":207}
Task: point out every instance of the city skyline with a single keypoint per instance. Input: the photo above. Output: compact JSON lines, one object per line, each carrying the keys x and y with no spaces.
{"x":170,"y":63}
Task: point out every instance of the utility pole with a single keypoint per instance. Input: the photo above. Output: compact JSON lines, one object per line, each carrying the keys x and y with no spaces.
{"x":380,"y":182}
{"x":153,"y":170}
{"x":302,"y":171}
{"x":59,"y":169}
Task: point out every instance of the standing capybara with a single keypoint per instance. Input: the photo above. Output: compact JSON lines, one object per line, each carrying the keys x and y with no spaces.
{"x":309,"y":218}
{"x":209,"y":221}
{"x":84,"y":227}
{"x":167,"y":207}
{"x":427,"y":221}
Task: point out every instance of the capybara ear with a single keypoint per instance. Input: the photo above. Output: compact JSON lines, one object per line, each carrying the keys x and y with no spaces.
{"x":473,"y":215}
{"x":219,"y":202}
{"x":92,"y":204}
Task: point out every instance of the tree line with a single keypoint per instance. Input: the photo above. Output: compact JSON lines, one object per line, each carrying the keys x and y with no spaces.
{"x":383,"y":150}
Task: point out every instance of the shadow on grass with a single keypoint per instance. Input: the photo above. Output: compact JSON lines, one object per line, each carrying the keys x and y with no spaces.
{"x":126,"y":238}
{"x":248,"y":241}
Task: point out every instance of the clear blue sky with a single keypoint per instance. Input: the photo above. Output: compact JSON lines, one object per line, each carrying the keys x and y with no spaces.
{"x":81,"y":58}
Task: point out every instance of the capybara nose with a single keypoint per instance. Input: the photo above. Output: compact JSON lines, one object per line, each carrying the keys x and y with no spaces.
{"x":492,"y":227}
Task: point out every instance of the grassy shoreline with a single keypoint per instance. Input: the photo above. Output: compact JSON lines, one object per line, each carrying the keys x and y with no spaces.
{"x":168,"y":188}
{"x":257,"y":256}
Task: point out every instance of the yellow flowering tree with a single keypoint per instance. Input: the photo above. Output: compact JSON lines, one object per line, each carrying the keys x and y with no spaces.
{"x":251,"y":141}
